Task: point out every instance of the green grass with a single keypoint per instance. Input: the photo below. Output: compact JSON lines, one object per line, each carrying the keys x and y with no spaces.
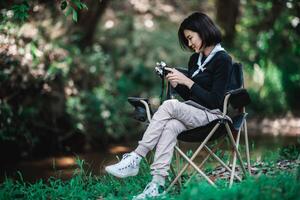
{"x":281,"y":186}
{"x":83,"y":185}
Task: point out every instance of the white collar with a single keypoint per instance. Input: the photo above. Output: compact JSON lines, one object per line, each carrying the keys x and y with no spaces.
{"x":201,"y":67}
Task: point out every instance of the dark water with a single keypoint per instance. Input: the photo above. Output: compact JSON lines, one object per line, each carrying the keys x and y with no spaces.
{"x":63,"y":166}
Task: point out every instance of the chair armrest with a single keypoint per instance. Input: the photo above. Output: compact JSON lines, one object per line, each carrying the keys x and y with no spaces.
{"x":136,"y":101}
{"x":238,"y":98}
{"x":236,"y":91}
{"x":142,"y":108}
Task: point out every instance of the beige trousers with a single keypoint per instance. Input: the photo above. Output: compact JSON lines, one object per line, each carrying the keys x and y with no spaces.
{"x":169,"y":120}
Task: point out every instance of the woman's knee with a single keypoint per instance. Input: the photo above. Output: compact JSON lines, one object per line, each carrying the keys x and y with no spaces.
{"x":168,"y":107}
{"x":175,"y":126}
{"x":170,"y":104}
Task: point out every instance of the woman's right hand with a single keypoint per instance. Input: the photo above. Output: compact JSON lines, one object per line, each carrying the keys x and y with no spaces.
{"x":176,"y":77}
{"x":173,"y":83}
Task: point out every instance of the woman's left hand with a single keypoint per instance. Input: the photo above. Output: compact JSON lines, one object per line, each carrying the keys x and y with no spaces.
{"x":178,"y":77}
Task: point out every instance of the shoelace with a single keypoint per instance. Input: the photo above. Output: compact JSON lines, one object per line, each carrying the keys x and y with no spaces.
{"x":133,"y":162}
{"x":125,"y":155}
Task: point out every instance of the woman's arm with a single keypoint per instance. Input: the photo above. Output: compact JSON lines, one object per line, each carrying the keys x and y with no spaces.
{"x":183,"y":91}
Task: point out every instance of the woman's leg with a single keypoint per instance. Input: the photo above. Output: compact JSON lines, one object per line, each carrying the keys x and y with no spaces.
{"x":164,"y":150}
{"x":170,"y":110}
{"x":171,"y":119}
{"x":129,"y":165}
{"x":190,"y":116}
{"x":181,"y":117}
{"x":151,"y":136}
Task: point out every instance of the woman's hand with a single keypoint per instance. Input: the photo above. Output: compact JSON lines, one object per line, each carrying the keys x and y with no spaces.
{"x":176,"y":77}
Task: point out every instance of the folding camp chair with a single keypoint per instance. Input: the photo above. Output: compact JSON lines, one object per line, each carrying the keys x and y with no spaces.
{"x":238,"y":98}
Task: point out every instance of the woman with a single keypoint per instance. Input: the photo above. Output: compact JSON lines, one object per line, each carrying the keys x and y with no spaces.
{"x":203,"y":87}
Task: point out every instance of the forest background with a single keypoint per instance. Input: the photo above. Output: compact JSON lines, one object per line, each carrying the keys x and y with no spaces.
{"x":67,"y":67}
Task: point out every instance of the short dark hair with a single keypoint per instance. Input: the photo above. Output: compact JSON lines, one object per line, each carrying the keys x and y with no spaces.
{"x":204,"y":26}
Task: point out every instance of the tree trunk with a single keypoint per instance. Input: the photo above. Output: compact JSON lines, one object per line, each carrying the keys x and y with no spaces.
{"x":268,"y":22}
{"x":227,"y":13}
{"x":88,"y":20}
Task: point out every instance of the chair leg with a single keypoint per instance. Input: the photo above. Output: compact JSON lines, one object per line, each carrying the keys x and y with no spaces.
{"x":235,"y":149}
{"x":247,"y":147}
{"x":177,"y":160}
{"x":175,"y":174}
{"x":199,"y":166}
{"x":175,"y":169}
{"x":204,"y":160}
{"x":194,"y":155}
{"x":195,"y":167}
{"x":222,"y":163}
{"x":234,"y":159}
{"x":212,"y":153}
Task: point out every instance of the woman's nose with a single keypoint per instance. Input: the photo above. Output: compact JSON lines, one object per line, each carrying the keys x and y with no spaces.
{"x":189,"y":43}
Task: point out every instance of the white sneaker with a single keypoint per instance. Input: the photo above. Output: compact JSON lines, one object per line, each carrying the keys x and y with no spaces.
{"x":151,"y":190}
{"x":128,"y":166}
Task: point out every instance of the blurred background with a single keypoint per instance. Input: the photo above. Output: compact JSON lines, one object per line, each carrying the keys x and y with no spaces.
{"x":68,"y":66}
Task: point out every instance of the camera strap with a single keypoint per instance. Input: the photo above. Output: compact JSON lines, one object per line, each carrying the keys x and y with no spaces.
{"x":162,"y":90}
{"x":168,"y":91}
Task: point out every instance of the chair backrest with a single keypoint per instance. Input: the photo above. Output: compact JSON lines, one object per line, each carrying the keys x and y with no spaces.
{"x":239,"y":96}
{"x":236,"y":78}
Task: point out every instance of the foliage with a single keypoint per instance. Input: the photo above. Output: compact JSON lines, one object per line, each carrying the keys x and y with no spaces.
{"x":20,"y":10}
{"x":290,"y":152}
{"x":71,"y":6}
{"x":53,"y":91}
{"x":15,"y":126}
{"x":50,"y":92}
{"x":268,"y":44}
{"x":134,"y":57}
{"x":282,"y":186}
{"x":268,"y":97}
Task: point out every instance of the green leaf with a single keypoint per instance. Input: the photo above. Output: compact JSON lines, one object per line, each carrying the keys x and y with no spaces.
{"x":75,"y":16}
{"x":63,"y":5}
{"x":84,"y":6}
{"x":21,"y":11}
{"x":70,"y":9}
{"x":78,"y":4}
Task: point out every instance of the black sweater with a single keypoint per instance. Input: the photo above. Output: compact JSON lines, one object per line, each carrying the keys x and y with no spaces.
{"x":210,"y":85}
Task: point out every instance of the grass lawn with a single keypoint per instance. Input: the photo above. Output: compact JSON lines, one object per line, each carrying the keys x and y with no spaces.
{"x":271,"y":182}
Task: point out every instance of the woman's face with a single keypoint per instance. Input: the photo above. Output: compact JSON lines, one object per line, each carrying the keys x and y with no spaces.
{"x":194,"y":41}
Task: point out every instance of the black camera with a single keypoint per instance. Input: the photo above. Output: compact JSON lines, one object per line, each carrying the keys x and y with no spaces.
{"x":160,"y":69}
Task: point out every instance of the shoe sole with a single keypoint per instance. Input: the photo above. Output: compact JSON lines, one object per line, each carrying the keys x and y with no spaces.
{"x":117,"y":174}
{"x":161,"y":196}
